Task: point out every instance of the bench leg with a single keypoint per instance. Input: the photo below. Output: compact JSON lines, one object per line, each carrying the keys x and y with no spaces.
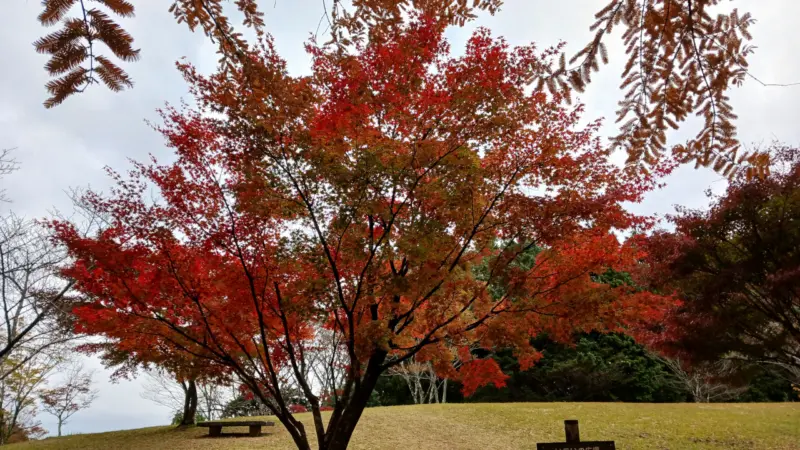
{"x":215,"y":431}
{"x":255,"y":430}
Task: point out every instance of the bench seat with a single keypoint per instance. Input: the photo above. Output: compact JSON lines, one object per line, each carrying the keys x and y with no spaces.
{"x":215,"y":428}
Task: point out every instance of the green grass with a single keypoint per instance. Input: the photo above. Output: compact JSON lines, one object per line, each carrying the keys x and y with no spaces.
{"x":503,"y":426}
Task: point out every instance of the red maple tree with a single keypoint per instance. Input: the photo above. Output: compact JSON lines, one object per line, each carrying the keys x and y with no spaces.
{"x":315,"y":231}
{"x":737,"y":269}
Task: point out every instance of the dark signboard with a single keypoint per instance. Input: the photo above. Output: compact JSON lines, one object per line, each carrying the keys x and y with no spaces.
{"x":585,"y":445}
{"x":573,"y":438}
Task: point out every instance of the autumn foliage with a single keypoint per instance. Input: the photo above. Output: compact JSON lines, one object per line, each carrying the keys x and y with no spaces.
{"x":682,"y":59}
{"x":75,"y":58}
{"x":369,"y":208}
{"x":737,"y":269}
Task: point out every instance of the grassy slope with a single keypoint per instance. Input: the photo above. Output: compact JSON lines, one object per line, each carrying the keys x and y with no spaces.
{"x":504,"y":426}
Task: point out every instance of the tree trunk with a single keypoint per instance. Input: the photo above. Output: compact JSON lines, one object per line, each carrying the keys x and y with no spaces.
{"x":60,"y":422}
{"x":338,"y":437}
{"x":434,"y":386}
{"x":296,"y":431}
{"x":189,"y":403}
{"x":444,"y":391}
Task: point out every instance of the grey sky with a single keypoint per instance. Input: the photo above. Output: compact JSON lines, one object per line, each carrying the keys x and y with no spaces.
{"x":68,"y":146}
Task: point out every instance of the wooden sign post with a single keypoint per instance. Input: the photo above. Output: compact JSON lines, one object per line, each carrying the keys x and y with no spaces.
{"x":574,"y":441}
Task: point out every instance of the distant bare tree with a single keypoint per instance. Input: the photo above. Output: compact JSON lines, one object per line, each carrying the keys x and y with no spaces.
{"x":73,"y":394}
{"x":7,"y":165}
{"x":420,"y":379}
{"x":705,"y":382}
{"x":789,"y":372}
{"x":327,"y":363}
{"x":423,"y":382}
{"x":33,"y":296}
{"x":164,"y":389}
{"x":213,"y":398}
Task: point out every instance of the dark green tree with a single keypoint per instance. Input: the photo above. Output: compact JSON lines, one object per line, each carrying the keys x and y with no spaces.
{"x":599,"y":367}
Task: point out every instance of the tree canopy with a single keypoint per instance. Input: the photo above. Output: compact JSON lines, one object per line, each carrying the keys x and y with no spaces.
{"x":737,"y":269}
{"x":349,"y":210}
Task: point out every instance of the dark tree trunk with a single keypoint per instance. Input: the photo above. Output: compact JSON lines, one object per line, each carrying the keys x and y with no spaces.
{"x":297,"y":432}
{"x":189,"y":403}
{"x":339,"y":434}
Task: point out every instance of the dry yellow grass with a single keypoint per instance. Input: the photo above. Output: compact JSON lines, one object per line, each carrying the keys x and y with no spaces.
{"x":503,"y":426}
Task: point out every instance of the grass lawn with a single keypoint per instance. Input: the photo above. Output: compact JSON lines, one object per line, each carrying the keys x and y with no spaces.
{"x":502,"y":426}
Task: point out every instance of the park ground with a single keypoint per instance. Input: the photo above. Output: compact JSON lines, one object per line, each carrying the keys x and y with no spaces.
{"x":502,"y":426}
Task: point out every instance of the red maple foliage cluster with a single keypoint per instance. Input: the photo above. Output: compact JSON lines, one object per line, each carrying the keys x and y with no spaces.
{"x":368,"y":211}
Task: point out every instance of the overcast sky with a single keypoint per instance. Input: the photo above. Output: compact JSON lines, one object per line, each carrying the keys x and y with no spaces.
{"x":68,"y":146}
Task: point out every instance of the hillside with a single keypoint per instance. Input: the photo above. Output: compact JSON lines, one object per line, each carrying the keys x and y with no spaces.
{"x":504,"y":426}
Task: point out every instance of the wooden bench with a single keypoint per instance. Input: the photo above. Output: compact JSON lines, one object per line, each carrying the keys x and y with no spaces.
{"x":215,"y":428}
